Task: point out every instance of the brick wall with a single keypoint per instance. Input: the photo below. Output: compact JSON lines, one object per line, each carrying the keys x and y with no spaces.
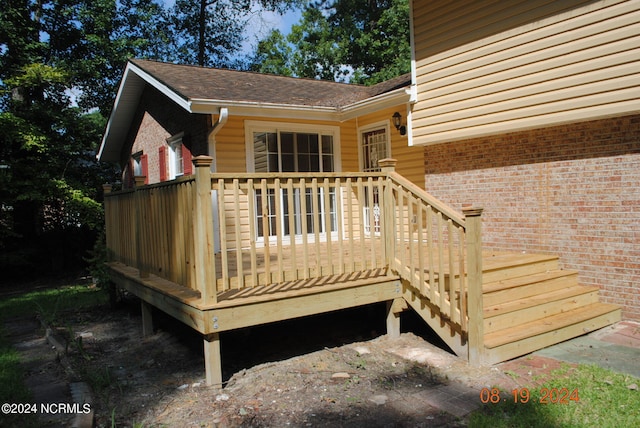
{"x":571,"y":190}
{"x":156,"y":119}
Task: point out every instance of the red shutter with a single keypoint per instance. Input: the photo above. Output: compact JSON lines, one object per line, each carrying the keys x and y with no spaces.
{"x":187,"y":166}
{"x":162,"y":162}
{"x":144,"y":162}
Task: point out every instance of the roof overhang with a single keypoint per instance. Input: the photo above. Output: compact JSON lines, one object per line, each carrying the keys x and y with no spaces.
{"x":135,"y":79}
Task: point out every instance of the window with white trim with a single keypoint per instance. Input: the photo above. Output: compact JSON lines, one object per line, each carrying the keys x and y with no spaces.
{"x":374,"y":146}
{"x":293,"y":148}
{"x":176,"y":161}
{"x":136,"y":161}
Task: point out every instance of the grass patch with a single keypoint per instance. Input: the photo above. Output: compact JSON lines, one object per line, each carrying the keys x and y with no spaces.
{"x":12,"y":388}
{"x":49,"y":303}
{"x":605,"y":400}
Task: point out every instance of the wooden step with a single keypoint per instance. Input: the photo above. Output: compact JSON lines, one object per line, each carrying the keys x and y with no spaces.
{"x":522,"y":339}
{"x":536,"y":307}
{"x":508,"y":290}
{"x":503,"y":266}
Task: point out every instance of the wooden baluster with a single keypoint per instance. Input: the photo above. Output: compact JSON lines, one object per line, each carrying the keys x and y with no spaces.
{"x":143,"y":268}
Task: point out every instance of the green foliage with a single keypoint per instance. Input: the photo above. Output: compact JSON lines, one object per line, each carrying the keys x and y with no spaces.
{"x":48,"y":304}
{"x":12,"y":388}
{"x":342,"y":40}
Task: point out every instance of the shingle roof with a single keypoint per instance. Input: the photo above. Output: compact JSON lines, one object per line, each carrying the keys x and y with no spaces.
{"x":193,"y":82}
{"x":207,"y":90}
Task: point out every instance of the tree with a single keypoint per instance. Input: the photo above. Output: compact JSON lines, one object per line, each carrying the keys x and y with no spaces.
{"x":210,"y":32}
{"x":59,"y":63}
{"x":363,"y":41}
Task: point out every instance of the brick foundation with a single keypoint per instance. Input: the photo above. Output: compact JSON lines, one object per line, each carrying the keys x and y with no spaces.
{"x":571,"y":190}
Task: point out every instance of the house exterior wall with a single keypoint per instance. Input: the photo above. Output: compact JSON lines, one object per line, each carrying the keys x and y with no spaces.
{"x":156,"y":120}
{"x":571,"y":190}
{"x":484,"y":67}
{"x":230,"y":156}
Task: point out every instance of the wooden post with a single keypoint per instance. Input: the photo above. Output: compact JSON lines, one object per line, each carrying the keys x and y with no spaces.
{"x":143,"y":268}
{"x":475,"y":306}
{"x":203,"y":230}
{"x":388,"y":166}
{"x":213,"y":360}
{"x":394,"y":308}
{"x":147,"y":318}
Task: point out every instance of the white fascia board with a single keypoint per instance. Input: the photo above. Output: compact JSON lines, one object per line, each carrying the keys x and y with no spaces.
{"x":373,"y":104}
{"x":164,"y":89}
{"x":130,"y":89}
{"x":113,"y":124}
{"x":248,"y":108}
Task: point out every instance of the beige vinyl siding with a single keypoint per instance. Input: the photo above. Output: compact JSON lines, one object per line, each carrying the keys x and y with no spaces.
{"x":230,"y":156}
{"x":230,"y":153}
{"x":522,"y":64}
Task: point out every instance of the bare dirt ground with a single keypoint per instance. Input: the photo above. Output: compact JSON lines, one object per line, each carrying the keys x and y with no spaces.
{"x":332,"y":370}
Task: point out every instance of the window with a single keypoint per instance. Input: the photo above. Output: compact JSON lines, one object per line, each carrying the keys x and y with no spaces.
{"x":136,"y":161}
{"x":176,"y":163}
{"x":292,"y":152}
{"x":374,"y":146}
{"x":139,"y":167}
{"x":293,"y":148}
{"x":179,"y":157}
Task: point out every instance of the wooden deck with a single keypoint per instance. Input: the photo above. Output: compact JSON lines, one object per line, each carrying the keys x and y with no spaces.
{"x":411,"y":251}
{"x":528,"y":302}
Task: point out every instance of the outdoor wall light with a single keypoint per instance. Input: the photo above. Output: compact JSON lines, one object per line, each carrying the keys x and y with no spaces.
{"x":397,"y":122}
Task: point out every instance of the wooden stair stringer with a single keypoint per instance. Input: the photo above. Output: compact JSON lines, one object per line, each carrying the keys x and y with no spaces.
{"x":449,"y":332}
{"x":512,"y":342}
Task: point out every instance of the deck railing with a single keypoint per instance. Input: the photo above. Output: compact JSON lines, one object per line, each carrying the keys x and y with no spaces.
{"x":276,"y":228}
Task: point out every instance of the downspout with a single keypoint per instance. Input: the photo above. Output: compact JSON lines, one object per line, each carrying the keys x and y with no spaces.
{"x":211,"y":140}
{"x":211,"y":135}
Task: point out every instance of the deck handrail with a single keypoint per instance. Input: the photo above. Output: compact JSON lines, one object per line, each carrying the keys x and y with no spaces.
{"x":286,"y":227}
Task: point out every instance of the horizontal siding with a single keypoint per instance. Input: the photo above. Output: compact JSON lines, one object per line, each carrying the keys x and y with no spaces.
{"x":579,"y":64}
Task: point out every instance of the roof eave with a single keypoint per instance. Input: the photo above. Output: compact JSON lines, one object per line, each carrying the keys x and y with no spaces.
{"x":378,"y":102}
{"x":131,"y":87}
{"x":250,"y":108}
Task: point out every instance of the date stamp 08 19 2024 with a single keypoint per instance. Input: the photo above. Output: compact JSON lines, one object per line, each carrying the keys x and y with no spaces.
{"x":522,"y":395}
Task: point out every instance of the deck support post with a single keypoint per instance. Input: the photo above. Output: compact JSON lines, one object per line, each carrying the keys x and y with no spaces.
{"x":213,"y":360}
{"x":394,"y":308}
{"x":388,"y":166}
{"x":142,"y":267}
{"x":147,"y":318}
{"x":475,"y":306}
{"x":203,"y":231}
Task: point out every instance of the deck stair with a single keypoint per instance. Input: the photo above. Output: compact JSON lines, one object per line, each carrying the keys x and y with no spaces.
{"x":529,"y":303}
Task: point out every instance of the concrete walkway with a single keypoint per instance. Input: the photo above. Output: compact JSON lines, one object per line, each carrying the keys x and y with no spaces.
{"x":616,"y":348}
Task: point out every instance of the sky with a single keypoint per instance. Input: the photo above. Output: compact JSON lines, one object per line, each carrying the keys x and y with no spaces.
{"x":261,"y":25}
{"x":269,"y":21}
